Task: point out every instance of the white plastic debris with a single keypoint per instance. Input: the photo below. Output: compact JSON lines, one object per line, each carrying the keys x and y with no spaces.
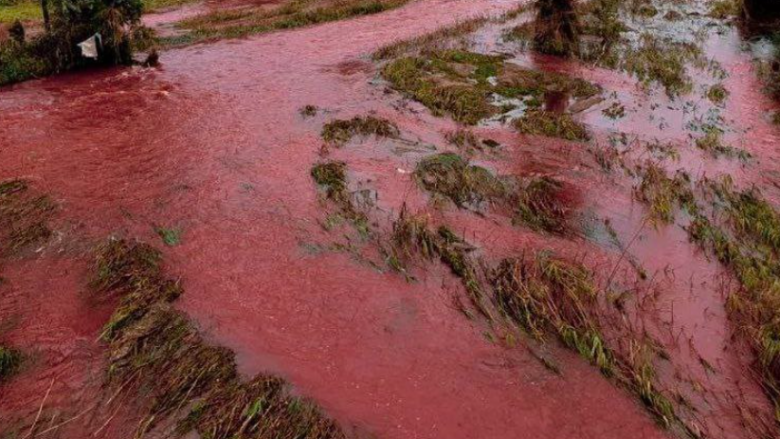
{"x":89,"y":47}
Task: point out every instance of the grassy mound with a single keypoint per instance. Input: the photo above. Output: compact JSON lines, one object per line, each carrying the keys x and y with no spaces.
{"x":158,"y":351}
{"x":339,"y":132}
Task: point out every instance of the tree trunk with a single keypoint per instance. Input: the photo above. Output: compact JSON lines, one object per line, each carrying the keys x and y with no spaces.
{"x":557,"y":27}
{"x":45,"y":10}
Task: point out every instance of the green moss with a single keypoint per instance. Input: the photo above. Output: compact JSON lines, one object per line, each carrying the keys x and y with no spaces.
{"x":339,"y":132}
{"x":550,"y":124}
{"x":450,"y":175}
{"x":23,"y":10}
{"x":171,"y":237}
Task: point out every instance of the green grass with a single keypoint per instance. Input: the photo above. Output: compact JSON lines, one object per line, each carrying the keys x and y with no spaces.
{"x":712,"y":143}
{"x":717,"y":94}
{"x":23,"y":10}
{"x":662,"y":62}
{"x":293,"y":14}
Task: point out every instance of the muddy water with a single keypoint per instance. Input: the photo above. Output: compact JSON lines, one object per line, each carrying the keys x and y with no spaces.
{"x":212,"y":144}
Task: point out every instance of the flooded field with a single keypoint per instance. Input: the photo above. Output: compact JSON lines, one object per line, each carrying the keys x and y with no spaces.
{"x":406,"y":218}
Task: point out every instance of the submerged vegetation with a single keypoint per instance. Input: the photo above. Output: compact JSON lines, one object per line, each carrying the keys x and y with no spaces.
{"x":551,"y":124}
{"x":538,"y":203}
{"x":339,"y":132}
{"x":332,"y":177}
{"x":23,"y":216}
{"x":156,"y":350}
{"x":662,"y":193}
{"x":749,"y":249}
{"x":450,"y":175}
{"x":10,"y":361}
{"x":544,"y":296}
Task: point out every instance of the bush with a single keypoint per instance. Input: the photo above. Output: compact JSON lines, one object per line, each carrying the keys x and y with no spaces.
{"x":73,"y":21}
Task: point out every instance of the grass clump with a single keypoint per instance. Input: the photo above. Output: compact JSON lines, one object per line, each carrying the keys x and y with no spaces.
{"x":749,"y":249}
{"x":133,"y":271}
{"x":549,"y":296}
{"x":412,"y":235}
{"x":332,"y":177}
{"x":712,"y":142}
{"x":339,"y":132}
{"x":434,"y":83}
{"x":540,"y":206}
{"x":10,"y":361}
{"x":448,"y":174}
{"x":663,"y":62}
{"x":516,"y":81}
{"x":662,"y":193}
{"x":23,"y":216}
{"x":242,"y":22}
{"x":544,"y":294}
{"x":717,"y":94}
{"x":551,"y":124}
{"x":157,"y":351}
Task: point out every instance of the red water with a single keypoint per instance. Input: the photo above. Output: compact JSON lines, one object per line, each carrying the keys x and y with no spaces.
{"x":212,"y":143}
